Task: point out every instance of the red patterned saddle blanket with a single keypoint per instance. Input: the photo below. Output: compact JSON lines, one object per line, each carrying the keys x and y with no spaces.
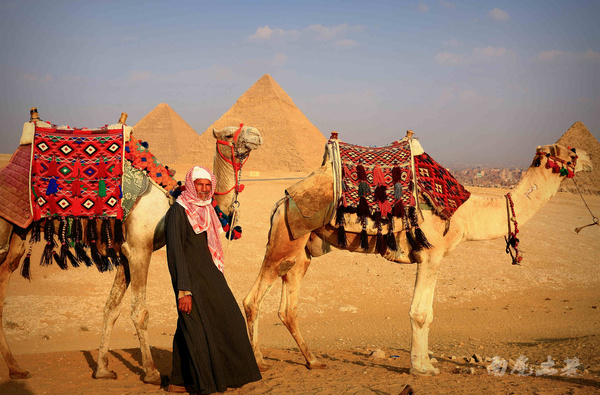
{"x":77,"y":172}
{"x":380,"y":188}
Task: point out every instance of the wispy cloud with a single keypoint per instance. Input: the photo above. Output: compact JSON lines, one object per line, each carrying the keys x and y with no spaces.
{"x":499,"y":15}
{"x":336,"y":36}
{"x":423,"y":8}
{"x":477,"y":56}
{"x":447,"y":4}
{"x":555,"y":55}
{"x":265,"y":33}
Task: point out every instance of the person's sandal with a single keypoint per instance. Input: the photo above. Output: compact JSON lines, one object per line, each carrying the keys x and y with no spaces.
{"x":178,"y":389}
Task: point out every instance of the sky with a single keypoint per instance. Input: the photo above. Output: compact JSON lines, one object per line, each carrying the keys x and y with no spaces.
{"x":479,"y":82}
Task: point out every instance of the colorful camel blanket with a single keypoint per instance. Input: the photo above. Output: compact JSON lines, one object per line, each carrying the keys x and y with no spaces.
{"x":77,"y":172}
{"x":141,"y":158}
{"x":381,"y":187}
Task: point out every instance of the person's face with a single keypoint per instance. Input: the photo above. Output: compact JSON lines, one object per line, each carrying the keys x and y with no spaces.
{"x":203,"y":187}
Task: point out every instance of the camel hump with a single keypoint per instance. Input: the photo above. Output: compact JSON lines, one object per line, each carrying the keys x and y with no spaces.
{"x":310,"y":204}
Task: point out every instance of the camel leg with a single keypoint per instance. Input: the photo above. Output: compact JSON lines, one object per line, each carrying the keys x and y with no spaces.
{"x":112,"y":310}
{"x":252,"y":304}
{"x":288,"y":308}
{"x":421,"y":316}
{"x":10,"y":256}
{"x":139,"y":262}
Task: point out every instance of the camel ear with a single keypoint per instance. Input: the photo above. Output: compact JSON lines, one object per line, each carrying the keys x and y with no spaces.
{"x":215,"y":131}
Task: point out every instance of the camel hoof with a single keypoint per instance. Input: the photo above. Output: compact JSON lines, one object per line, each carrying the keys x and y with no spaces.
{"x":424,"y":372}
{"x":316,"y":365}
{"x":263,"y":367}
{"x":105,"y":375}
{"x":153,"y":378}
{"x":19,"y":374}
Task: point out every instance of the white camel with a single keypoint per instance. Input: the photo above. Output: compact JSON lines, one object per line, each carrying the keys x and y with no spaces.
{"x":479,"y":218}
{"x":144,"y":229}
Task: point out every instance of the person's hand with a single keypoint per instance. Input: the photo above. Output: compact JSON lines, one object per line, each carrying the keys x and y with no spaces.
{"x":185,"y":304}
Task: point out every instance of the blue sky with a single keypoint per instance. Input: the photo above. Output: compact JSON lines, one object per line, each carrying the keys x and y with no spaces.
{"x":478,"y":81}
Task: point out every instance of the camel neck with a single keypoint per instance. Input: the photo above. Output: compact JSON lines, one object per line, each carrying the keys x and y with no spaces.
{"x":225,"y":181}
{"x":487,"y":218}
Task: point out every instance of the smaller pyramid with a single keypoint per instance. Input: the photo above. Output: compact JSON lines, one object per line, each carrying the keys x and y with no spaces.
{"x":579,"y":136}
{"x":290,"y":141}
{"x":170,"y":138}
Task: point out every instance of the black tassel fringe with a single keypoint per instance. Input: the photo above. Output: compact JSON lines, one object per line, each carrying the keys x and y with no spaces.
{"x":364,"y":239}
{"x":391,"y":241}
{"x":119,"y":237}
{"x":380,"y":246}
{"x":82,"y":256}
{"x":421,"y":239}
{"x":342,"y":241}
{"x":26,"y":266}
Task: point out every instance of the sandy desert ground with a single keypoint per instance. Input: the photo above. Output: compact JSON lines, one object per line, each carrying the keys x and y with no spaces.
{"x":350,"y":305}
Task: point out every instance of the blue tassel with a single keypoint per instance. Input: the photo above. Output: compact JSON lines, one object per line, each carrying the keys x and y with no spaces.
{"x":52,"y":187}
{"x":398,"y":191}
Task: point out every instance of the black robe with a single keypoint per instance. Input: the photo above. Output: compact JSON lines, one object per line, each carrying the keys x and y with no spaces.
{"x":211,"y":350}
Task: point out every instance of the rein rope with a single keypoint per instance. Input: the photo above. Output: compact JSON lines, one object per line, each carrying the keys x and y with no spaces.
{"x":595,"y":220}
{"x":512,"y":242}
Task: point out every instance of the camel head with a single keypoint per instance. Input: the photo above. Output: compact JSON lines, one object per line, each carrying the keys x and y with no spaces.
{"x":247,"y":140}
{"x":575,"y":159}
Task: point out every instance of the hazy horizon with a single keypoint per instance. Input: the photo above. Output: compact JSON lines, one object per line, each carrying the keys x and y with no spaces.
{"x":478,"y":82}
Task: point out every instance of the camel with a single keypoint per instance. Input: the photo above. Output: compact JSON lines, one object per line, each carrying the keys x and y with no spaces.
{"x":479,"y":218}
{"x":144,"y":228}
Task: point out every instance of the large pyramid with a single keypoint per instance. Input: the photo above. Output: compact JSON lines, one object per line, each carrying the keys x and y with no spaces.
{"x":579,"y":136}
{"x":290,"y":141}
{"x":171,"y":139}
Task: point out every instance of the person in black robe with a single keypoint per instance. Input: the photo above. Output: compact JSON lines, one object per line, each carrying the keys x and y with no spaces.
{"x":211,"y":350}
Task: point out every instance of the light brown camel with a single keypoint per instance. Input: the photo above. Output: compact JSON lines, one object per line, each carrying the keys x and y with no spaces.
{"x":145,"y":233}
{"x":478,"y":218}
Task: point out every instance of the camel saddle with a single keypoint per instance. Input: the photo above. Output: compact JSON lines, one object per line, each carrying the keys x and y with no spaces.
{"x":372,"y":189}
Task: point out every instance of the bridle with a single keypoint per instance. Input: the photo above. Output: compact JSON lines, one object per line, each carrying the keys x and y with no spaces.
{"x":558,"y":165}
{"x":237,"y":161}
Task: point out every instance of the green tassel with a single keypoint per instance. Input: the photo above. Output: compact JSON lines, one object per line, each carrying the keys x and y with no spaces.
{"x":564,"y":172}
{"x":102,"y":188}
{"x":363,"y":189}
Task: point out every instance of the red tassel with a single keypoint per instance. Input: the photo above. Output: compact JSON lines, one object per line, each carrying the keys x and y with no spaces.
{"x":98,"y":209}
{"x":378,"y":178}
{"x":385,"y":208}
{"x":361,"y":174}
{"x":556,"y":168}
{"x":119,"y":211}
{"x":76,"y":187}
{"x":76,"y":207}
{"x":380,"y":193}
{"x":549,"y":164}
{"x":77,"y":169}
{"x":102,"y":172}
{"x":52,"y":172}
{"x":570,"y":174}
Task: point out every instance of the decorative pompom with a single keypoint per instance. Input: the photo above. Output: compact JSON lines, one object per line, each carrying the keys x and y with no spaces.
{"x":98,"y":209}
{"x":52,"y":187}
{"x":361,"y":174}
{"x":342,"y":242}
{"x":102,"y":187}
{"x":385,"y":208}
{"x":570,"y":174}
{"x":549,"y":164}
{"x":556,"y":168}
{"x":363,"y":189}
{"x":144,"y":144}
{"x":364,"y":239}
{"x":378,"y":177}
{"x":398,"y":189}
{"x":564,"y":171}
{"x":380,"y":195}
{"x":25,"y":268}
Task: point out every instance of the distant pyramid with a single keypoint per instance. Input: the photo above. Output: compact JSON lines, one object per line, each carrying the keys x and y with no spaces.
{"x":170,"y":138}
{"x":290,"y":141}
{"x":579,"y":136}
